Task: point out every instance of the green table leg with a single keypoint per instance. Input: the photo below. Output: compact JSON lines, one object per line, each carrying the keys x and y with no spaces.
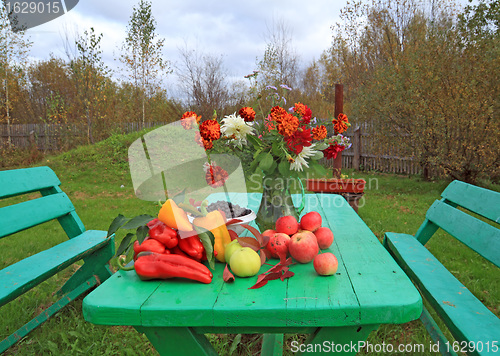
{"x":272,"y":345}
{"x":339,"y":340}
{"x":178,"y":341}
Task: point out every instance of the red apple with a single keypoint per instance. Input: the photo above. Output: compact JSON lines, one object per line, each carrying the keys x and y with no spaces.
{"x":324,"y":236}
{"x":278,"y":244}
{"x":287,"y":225}
{"x":311,"y":221}
{"x":303,"y":246}
{"x":268,"y":233}
{"x":325,"y":264}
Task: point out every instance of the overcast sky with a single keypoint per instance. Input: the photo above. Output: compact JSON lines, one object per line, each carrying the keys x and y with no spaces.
{"x":235,"y":29}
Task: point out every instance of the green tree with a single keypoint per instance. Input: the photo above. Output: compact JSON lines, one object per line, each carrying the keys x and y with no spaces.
{"x":142,"y":54}
{"x":14,"y":48}
{"x":429,"y":82}
{"x":89,"y":73}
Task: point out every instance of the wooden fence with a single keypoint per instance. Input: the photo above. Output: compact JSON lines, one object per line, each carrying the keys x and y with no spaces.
{"x":50,"y":137}
{"x":53,"y":137}
{"x":360,"y":155}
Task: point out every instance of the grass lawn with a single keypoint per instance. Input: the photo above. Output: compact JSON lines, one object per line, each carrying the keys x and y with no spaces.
{"x":96,"y":178}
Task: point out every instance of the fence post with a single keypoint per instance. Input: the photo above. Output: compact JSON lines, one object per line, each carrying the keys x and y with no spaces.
{"x":356,"y":143}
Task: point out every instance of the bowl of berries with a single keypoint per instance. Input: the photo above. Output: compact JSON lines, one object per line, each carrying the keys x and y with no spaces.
{"x":232,"y":211}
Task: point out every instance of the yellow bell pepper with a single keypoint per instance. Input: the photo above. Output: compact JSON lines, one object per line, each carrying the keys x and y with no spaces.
{"x":214,"y":222}
{"x":173,"y":216}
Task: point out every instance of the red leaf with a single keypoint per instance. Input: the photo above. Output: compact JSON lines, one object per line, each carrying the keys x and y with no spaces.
{"x":282,"y":256}
{"x":233,"y":234}
{"x":227,"y":276}
{"x":276,"y":268}
{"x":263,"y":257}
{"x":287,"y":274}
{"x":272,"y":276}
{"x":255,"y":233}
{"x":233,"y":221}
{"x":268,"y":254}
{"x":261,"y":281}
{"x":265,"y":240}
{"x":247,"y":241}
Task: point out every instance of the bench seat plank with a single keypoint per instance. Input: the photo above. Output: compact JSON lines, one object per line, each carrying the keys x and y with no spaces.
{"x":479,"y":200}
{"x":18,"y":217}
{"x":476,"y":234}
{"x":467,"y":318}
{"x":20,"y":277}
{"x":22,"y":181}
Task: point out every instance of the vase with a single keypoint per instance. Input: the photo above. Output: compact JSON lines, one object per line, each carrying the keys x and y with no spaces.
{"x":277,"y":201}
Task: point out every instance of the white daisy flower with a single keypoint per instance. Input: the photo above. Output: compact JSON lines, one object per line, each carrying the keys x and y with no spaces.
{"x":235,"y":127}
{"x":301,"y":159}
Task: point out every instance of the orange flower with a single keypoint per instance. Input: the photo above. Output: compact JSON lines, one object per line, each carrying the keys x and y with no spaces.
{"x":202,"y":142}
{"x":247,"y":113}
{"x":189,"y":120}
{"x":210,"y":130}
{"x":341,"y":123}
{"x":319,"y":132}
{"x":304,"y":112}
{"x":288,"y":124}
{"x":277,"y":113}
{"x":216,"y":176}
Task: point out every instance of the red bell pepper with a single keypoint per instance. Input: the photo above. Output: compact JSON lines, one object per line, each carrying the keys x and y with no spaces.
{"x":161,"y":232}
{"x":192,"y":246}
{"x":161,"y":266}
{"x":148,"y":245}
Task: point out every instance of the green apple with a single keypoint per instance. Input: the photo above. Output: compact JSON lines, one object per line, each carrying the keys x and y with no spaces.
{"x":230,"y":248}
{"x":245,"y":262}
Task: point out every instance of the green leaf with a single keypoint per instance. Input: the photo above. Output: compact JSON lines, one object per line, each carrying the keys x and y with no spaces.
{"x":234,"y":344}
{"x":321,"y":146}
{"x":317,"y":155}
{"x":253,"y":166}
{"x":179,"y":198}
{"x":256,"y":143}
{"x":319,"y":169}
{"x":142,"y":232}
{"x":116,"y":224}
{"x":272,"y":168}
{"x":266,"y":161}
{"x":284,"y":168}
{"x":207,"y":239}
{"x":257,"y":154}
{"x":276,"y":149}
{"x":137,"y":221}
{"x":124,"y":244}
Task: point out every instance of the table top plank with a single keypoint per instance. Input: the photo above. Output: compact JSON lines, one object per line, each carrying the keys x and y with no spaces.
{"x":182,"y":302}
{"x":118,"y":301}
{"x":331,"y":298}
{"x":239,"y":306}
{"x":384,"y":292}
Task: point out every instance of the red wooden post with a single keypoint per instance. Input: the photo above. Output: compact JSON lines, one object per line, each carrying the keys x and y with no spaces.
{"x":339,"y":108}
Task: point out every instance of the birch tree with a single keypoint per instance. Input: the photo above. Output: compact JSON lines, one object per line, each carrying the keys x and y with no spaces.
{"x":142,"y":54}
{"x":89,"y":72}
{"x":14,"y":48}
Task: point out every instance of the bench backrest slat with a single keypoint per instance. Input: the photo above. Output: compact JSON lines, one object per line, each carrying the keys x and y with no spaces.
{"x":18,"y":217}
{"x":476,"y":234}
{"x":476,"y":199}
{"x":21,"y":181}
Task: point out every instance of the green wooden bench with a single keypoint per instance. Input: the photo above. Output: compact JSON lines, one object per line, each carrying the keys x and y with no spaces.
{"x":467,"y":319}
{"x":91,"y":246}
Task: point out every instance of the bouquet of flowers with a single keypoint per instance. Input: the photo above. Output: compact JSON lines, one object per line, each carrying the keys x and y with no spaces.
{"x":284,"y":140}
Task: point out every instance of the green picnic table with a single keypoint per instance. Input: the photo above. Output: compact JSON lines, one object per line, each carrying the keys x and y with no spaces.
{"x":338,"y":311}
